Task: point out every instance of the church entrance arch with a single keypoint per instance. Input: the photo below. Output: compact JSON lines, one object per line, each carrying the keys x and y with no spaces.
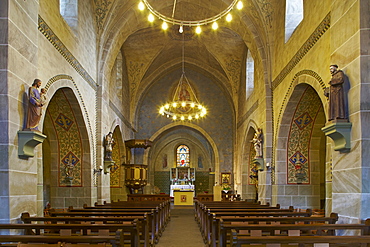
{"x":67,"y":172}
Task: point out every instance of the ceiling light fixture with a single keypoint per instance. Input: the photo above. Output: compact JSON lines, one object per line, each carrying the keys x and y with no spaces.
{"x":185,"y":105}
{"x":196,"y":23}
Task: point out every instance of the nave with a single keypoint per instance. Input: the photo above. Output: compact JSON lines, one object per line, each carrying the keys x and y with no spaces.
{"x":182,"y":230}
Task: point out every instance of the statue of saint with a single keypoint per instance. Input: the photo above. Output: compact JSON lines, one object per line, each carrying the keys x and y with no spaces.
{"x":257,"y":142}
{"x":34,"y":106}
{"x":109,"y":143}
{"x":336,"y":95}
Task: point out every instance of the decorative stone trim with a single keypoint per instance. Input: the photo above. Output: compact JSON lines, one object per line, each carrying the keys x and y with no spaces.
{"x":310,"y":42}
{"x":120,"y":115}
{"x":62,"y":49}
{"x":101,"y":12}
{"x":247,"y":114}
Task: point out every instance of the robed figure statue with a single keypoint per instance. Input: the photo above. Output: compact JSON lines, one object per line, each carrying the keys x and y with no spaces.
{"x":336,"y":95}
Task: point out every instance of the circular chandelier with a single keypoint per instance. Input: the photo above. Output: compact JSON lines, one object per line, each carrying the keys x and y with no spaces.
{"x":184,"y":104}
{"x":197,"y":23}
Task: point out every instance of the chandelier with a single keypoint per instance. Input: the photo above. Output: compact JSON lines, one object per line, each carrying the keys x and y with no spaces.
{"x":184,"y":104}
{"x":197,"y":23}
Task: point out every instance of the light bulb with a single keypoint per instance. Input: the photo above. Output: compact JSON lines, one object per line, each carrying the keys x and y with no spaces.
{"x":192,"y":105}
{"x":174,"y":104}
{"x":198,"y":30}
{"x":200,"y":107}
{"x":229,"y":17}
{"x":196,"y":116}
{"x":239,"y":5}
{"x":182,"y":118}
{"x":181,"y":30}
{"x":183,"y":104}
{"x":167,"y":106}
{"x":141,"y":6}
{"x":174,"y":117}
{"x":150,"y":17}
{"x":190,"y":117}
{"x":214,"y":26}
{"x":164,"y":26}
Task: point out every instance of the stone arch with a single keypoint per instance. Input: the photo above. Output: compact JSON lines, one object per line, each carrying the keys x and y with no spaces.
{"x":118,"y":190}
{"x":66,"y":152}
{"x":247,"y":190}
{"x":63,"y":80}
{"x":192,"y":127}
{"x":308,"y":143}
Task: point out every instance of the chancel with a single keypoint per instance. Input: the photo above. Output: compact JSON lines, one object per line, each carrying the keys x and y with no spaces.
{"x":161,"y":110}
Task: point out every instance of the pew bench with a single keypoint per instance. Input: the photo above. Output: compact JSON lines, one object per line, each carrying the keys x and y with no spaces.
{"x":153,"y":221}
{"x":129,"y":230}
{"x":218,"y":222}
{"x":147,"y":237}
{"x":302,"y":241}
{"x":252,"y":230}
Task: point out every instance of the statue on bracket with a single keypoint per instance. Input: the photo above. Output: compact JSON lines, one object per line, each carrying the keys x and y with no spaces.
{"x":109,"y":144}
{"x":257,"y":142}
{"x":35,"y":103}
{"x":337,"y":108}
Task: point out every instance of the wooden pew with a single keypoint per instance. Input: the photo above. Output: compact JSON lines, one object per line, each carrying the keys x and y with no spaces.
{"x":209,"y":230}
{"x":143,"y":226}
{"x":79,"y":229}
{"x":114,"y":241}
{"x":163,"y":208}
{"x":161,"y":216}
{"x":223,"y":225}
{"x":153,"y":220}
{"x":332,"y":241}
{"x":207,"y":215}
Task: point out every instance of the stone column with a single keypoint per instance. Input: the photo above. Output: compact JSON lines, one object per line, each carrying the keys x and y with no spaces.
{"x":349,"y":28}
{"x":18,"y":69}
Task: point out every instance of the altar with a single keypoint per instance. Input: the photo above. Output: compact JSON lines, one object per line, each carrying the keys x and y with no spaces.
{"x":181,"y":187}
{"x":183,"y":197}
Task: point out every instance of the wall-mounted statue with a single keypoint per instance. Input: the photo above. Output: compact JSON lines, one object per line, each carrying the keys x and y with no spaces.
{"x":34,"y":106}
{"x":109,"y":144}
{"x":336,"y":94}
{"x":257,"y":142}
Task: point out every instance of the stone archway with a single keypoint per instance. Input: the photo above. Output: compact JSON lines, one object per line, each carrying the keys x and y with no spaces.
{"x":66,"y":153}
{"x":300,"y":174}
{"x":162,"y":157}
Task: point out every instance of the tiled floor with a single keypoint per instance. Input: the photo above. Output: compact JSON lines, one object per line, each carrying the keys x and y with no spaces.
{"x":182,"y":230}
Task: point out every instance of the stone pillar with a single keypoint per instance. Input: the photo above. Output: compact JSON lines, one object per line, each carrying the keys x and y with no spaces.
{"x":18,"y":69}
{"x":350,"y":28}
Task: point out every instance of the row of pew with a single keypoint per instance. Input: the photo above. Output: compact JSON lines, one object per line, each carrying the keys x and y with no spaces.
{"x":123,"y":223}
{"x":224,"y":224}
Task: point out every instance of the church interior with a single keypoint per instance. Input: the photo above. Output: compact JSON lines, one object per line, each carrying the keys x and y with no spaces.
{"x":148,"y":97}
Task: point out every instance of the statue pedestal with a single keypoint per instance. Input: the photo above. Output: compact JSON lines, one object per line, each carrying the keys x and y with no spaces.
{"x":259,"y":163}
{"x":340,"y":133}
{"x":27,"y":141}
{"x":107,"y":165}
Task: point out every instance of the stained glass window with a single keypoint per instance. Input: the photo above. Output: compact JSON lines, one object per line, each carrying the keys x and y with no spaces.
{"x":183,"y":156}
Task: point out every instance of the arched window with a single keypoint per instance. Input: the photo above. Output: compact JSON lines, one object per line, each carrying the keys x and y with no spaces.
{"x":293,"y":16}
{"x":182,"y":156}
{"x":69,"y":10}
{"x":249,"y":75}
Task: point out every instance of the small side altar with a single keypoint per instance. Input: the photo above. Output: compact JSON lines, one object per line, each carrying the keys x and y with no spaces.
{"x":183,"y":197}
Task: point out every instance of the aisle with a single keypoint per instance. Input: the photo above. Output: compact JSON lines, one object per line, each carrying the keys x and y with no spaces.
{"x":182,"y":230}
